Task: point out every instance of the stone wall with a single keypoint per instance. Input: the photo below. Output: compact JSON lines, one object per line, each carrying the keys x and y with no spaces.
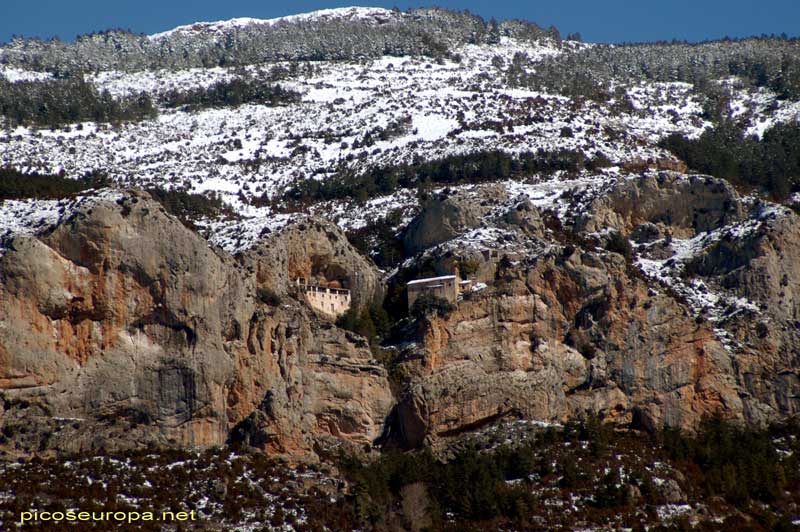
{"x":332,"y":301}
{"x":446,"y":288}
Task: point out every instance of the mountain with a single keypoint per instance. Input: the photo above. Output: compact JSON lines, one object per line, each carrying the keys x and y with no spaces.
{"x":627,"y":217}
{"x":372,"y":16}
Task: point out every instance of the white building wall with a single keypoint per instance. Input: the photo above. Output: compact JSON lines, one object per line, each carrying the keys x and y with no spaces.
{"x":334,"y":303}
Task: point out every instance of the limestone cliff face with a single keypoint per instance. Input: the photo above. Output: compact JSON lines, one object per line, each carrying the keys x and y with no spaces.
{"x":761,"y":266}
{"x":560,"y":336}
{"x":685,"y":204}
{"x":567,"y":328}
{"x":446,"y":215}
{"x":122,"y":328}
{"x":313,"y":248}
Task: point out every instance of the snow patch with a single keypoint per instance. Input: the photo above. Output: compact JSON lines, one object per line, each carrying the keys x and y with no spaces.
{"x":343,"y":13}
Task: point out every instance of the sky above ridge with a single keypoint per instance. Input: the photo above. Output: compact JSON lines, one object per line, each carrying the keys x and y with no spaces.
{"x":596,"y":20}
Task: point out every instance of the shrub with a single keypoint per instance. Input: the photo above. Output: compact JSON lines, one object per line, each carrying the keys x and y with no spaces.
{"x":268,"y":296}
{"x":468,"y":268}
{"x":599,"y":161}
{"x":16,"y":185}
{"x":427,"y":305}
{"x":618,"y":243}
{"x":187,"y":206}
{"x":378,"y":240}
{"x":373,"y":323}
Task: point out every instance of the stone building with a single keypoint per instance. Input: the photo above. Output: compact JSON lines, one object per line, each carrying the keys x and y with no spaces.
{"x":329,"y":300}
{"x":447,"y":287}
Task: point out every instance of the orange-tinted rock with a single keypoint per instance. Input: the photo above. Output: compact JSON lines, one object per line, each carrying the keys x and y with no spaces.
{"x":122,"y":328}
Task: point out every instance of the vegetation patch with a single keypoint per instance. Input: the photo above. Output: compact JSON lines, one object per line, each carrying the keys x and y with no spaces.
{"x":17,"y":186}
{"x":268,"y":296}
{"x":512,"y":476}
{"x":772,"y":62}
{"x":58,"y":102}
{"x":587,"y":475}
{"x":187,"y":206}
{"x":225,"y":490}
{"x":478,"y":167}
{"x":430,"y":305}
{"x":373,"y":323}
{"x":378,"y":240}
{"x":231,"y":93}
{"x":771,"y":163}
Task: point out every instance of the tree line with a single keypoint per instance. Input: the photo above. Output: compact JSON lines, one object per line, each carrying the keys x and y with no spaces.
{"x":591,"y":72}
{"x":17,"y":185}
{"x":771,"y":163}
{"x":57,"y":102}
{"x":231,"y":93}
{"x":430,"y":32}
{"x":477,"y":167}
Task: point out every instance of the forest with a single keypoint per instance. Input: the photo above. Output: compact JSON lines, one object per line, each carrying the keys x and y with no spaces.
{"x":429,"y":32}
{"x":55,"y":103}
{"x":484,"y":486}
{"x":593,"y":72}
{"x":770,"y":164}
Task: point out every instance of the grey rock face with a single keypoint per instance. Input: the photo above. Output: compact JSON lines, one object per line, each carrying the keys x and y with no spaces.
{"x":646,"y":232}
{"x":761,"y":266}
{"x":685,"y":203}
{"x":525,"y":216}
{"x":312,"y":248}
{"x":572,"y":328}
{"x":446,"y":216}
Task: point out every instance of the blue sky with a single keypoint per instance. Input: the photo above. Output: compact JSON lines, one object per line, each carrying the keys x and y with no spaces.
{"x":596,"y":20}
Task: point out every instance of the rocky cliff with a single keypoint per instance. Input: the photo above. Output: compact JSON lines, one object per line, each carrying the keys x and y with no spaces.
{"x":567,"y":333}
{"x":314,"y":249}
{"x":121,"y":328}
{"x":697,"y":318}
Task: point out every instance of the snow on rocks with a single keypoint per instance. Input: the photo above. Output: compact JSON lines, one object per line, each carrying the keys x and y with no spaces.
{"x":343,"y":13}
{"x":707,"y":300}
{"x":31,"y":217}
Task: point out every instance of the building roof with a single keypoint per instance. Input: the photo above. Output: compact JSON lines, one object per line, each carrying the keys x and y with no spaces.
{"x":430,"y":279}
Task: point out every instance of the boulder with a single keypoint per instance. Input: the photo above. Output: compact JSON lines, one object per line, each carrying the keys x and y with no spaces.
{"x":687,"y":204}
{"x":446,"y":216}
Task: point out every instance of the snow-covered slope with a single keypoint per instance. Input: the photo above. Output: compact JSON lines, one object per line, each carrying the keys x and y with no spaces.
{"x":368,"y":14}
{"x":352,"y":115}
